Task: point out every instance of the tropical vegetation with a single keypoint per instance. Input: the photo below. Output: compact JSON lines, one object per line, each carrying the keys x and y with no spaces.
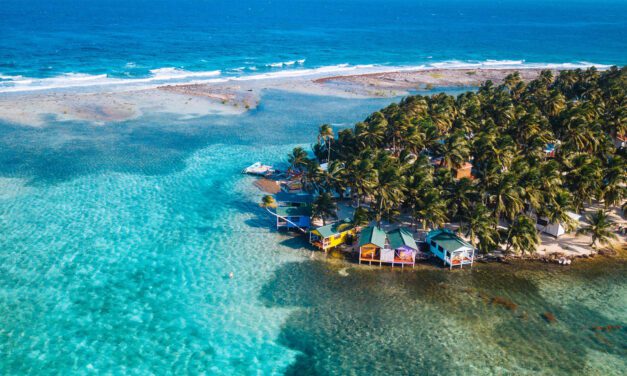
{"x":539,"y":148}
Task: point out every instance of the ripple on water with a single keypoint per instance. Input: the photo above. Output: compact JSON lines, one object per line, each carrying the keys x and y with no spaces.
{"x":110,"y":273}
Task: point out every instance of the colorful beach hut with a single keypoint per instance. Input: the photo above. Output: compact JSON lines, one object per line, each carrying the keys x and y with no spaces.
{"x":293,"y":199}
{"x":450,"y":248}
{"x":293,"y":217}
{"x":404,"y":245}
{"x":372,"y":242}
{"x":333,"y":235}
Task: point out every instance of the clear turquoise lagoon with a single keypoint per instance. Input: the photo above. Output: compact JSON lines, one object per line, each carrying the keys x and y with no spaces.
{"x":117,"y":240}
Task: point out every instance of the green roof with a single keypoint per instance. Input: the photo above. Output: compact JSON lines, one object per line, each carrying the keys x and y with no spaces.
{"x":372,"y":235}
{"x":402,"y":237}
{"x":299,"y":198}
{"x":447,"y":240}
{"x":333,"y":228}
{"x":291,"y":211}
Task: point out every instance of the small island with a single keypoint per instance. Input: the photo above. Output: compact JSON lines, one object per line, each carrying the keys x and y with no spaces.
{"x":532,"y":168}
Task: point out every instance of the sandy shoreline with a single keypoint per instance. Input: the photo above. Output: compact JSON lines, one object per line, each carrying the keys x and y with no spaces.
{"x":232,"y":96}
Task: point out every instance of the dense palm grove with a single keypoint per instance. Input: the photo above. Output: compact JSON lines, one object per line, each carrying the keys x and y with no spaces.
{"x":386,"y":163}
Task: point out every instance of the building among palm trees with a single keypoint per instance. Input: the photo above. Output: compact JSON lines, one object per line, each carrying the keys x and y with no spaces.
{"x":333,"y":235}
{"x":396,"y":247}
{"x":463,"y":171}
{"x":450,"y":248}
{"x":293,"y":218}
{"x":620,"y":141}
{"x":372,"y":241}
{"x":404,"y":246}
{"x":293,"y":199}
{"x":549,"y":150}
{"x":555,"y":229}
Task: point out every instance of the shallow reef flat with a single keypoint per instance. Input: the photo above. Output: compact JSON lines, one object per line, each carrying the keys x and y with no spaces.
{"x":230,"y":96}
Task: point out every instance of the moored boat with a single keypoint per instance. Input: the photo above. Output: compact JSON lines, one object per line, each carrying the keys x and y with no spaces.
{"x":258,"y":169}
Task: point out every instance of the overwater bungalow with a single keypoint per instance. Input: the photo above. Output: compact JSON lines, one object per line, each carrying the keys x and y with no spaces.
{"x":404,"y":245}
{"x":293,"y":199}
{"x":372,"y":241}
{"x":450,"y":248}
{"x":293,"y":218}
{"x":333,"y":235}
{"x":396,"y":247}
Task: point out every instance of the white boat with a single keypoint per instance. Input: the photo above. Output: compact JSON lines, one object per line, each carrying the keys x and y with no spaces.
{"x":258,"y":168}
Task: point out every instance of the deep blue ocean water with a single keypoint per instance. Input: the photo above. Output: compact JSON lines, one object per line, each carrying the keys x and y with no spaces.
{"x":139,"y":38}
{"x":117,"y":239}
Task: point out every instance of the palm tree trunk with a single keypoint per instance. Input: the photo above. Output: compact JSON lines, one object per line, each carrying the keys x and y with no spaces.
{"x":329,"y":154}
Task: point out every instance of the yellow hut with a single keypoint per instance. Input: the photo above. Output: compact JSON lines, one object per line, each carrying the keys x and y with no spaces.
{"x":333,"y":235}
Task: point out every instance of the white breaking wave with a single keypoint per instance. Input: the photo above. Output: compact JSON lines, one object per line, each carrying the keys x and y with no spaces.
{"x":170,"y":75}
{"x":509,"y":64}
{"x":289,"y":63}
{"x":81,"y":80}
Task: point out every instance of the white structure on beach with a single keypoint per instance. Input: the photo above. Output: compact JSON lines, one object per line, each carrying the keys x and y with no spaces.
{"x":554,"y":229}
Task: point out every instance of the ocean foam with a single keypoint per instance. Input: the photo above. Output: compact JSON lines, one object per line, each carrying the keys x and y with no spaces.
{"x":81,"y":80}
{"x":288,"y":63}
{"x":171,"y":75}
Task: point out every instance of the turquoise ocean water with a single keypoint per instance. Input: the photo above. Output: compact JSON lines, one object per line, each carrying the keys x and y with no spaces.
{"x":117,"y":240}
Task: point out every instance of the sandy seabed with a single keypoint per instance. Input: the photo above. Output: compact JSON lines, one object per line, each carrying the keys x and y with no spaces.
{"x":230,"y":96}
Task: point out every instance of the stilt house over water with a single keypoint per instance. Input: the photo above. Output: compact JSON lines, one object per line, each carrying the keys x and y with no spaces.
{"x":333,"y":235}
{"x":450,"y":248}
{"x":396,"y":247}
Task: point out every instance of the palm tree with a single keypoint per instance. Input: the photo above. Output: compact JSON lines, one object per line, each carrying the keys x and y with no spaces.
{"x":463,"y":194}
{"x":556,"y":207}
{"x":555,"y":103}
{"x":324,"y":207}
{"x":481,"y":227}
{"x":397,"y":127}
{"x":599,"y":228}
{"x":311,"y":178}
{"x":371,"y":133}
{"x":332,"y":179}
{"x":268,"y":202}
{"x":613,"y":189}
{"x":430,"y":209}
{"x":505,"y":197}
{"x":388,"y":193}
{"x":522,"y":236}
{"x":325,"y":135}
{"x":297,"y":159}
{"x":361,"y":217}
{"x":361,"y":178}
{"x":583,"y":178}
{"x":455,"y":151}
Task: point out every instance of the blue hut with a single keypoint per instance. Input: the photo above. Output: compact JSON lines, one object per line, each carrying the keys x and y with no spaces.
{"x":450,"y":248}
{"x":293,"y":218}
